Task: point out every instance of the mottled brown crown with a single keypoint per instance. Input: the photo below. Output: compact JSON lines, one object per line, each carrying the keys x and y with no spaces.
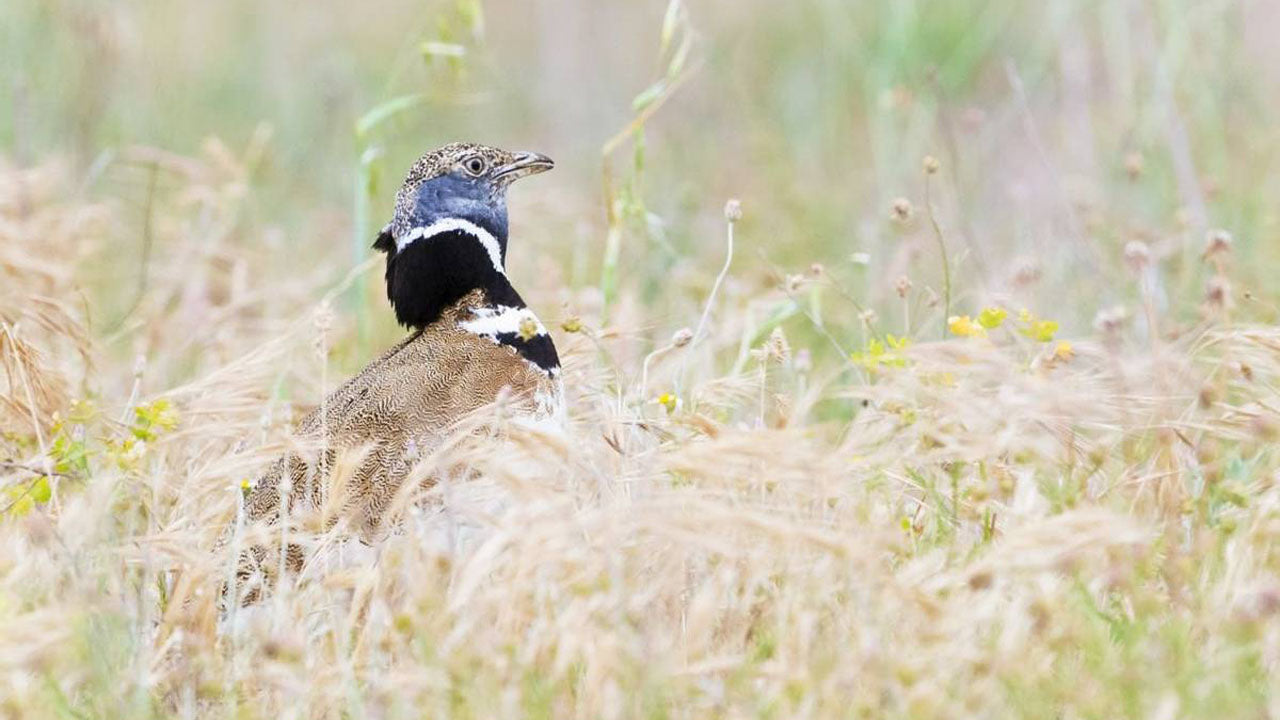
{"x":448,"y":158}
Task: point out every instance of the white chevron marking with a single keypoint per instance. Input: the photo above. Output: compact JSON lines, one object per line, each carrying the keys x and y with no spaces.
{"x":492,"y":322}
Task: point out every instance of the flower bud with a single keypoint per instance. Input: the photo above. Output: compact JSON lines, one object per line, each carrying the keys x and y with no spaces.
{"x":733,"y":210}
{"x":902,"y":286}
{"x":1133,"y":165}
{"x":1110,"y":320}
{"x":1137,"y":254}
{"x":1218,"y":292}
{"x":901,"y":210}
{"x":1217,"y":242}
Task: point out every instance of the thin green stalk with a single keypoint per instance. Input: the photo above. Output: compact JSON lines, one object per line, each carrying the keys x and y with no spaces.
{"x":731,"y":218}
{"x":942,"y":250}
{"x":361,"y":237}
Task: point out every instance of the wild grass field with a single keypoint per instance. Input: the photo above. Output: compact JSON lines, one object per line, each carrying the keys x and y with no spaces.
{"x":978,"y":418}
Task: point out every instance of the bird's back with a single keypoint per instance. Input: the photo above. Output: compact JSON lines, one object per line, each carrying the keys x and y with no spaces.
{"x":399,"y":406}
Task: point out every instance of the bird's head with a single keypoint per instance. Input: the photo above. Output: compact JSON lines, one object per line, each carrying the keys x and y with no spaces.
{"x":462,"y":184}
{"x":449,"y":230}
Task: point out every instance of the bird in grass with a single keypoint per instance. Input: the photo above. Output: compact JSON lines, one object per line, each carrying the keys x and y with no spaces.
{"x":472,"y":339}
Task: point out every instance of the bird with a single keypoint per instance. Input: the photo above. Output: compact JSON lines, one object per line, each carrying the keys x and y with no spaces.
{"x":471,"y":339}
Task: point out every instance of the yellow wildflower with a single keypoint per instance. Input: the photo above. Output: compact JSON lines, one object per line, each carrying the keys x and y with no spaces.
{"x":668,"y":401}
{"x":528,"y":328}
{"x":964,"y":326}
{"x":1041,"y":330}
{"x":878,"y":354}
{"x":992,"y":317}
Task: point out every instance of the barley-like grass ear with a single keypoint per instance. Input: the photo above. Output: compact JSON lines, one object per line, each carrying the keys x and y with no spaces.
{"x":385,"y":242}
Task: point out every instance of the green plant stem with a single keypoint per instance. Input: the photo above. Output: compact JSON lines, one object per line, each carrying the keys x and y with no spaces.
{"x":942,"y":250}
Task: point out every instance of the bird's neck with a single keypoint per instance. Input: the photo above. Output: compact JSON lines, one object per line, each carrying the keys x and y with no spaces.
{"x":432,"y":268}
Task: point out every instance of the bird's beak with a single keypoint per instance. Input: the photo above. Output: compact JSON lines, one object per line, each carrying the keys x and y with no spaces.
{"x":526,"y":163}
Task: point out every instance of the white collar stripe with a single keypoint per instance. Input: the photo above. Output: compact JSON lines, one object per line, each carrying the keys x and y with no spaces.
{"x":447,"y":225}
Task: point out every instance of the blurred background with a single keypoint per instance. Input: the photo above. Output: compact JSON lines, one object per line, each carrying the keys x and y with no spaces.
{"x":1073,"y":512}
{"x":1063,"y":131}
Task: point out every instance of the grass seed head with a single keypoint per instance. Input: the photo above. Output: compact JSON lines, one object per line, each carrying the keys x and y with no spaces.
{"x":901,"y":210}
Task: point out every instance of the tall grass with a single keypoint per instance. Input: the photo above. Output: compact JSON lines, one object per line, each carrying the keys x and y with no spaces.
{"x":779,"y":494}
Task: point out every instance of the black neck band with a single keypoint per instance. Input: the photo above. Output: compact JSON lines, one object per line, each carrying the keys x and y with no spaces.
{"x":432,"y":273}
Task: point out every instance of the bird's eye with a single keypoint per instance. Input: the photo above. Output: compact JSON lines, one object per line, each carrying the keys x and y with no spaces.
{"x":475,"y":165}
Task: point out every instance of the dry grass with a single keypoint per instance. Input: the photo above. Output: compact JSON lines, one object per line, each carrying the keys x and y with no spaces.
{"x":1000,"y":527}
